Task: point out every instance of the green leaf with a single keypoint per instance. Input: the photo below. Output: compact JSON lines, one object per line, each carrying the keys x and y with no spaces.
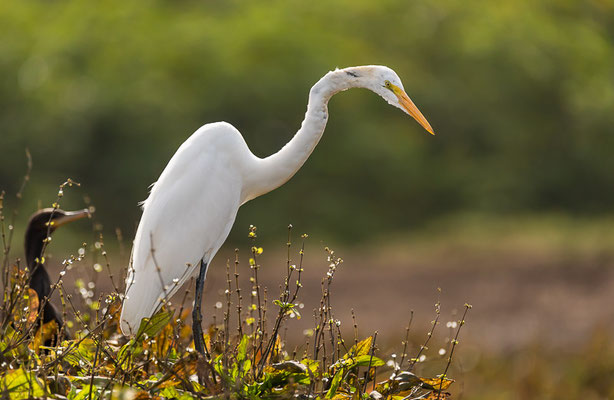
{"x":436,"y":383}
{"x":128,"y":351}
{"x":279,"y":380}
{"x":22,"y":385}
{"x":170,"y":392}
{"x":242,"y":349}
{"x":285,"y":306}
{"x":361,"y":348}
{"x":71,"y":358}
{"x":247,"y":364}
{"x":7,"y":337}
{"x":219,"y":368}
{"x":312,"y":365}
{"x":364,"y":360}
{"x":152,"y":326}
{"x":334,"y":385}
{"x":85,"y":392}
{"x":86,"y":349}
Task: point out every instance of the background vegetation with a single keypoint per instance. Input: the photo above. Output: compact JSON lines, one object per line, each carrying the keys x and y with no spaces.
{"x":520,"y":94}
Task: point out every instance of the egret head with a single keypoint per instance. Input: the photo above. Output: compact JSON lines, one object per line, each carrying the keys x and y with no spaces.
{"x":385,"y":82}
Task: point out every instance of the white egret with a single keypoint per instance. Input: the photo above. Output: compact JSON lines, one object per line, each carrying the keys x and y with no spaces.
{"x":193,"y":205}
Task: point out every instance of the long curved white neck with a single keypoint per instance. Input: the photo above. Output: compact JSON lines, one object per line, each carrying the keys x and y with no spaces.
{"x":273,"y":171}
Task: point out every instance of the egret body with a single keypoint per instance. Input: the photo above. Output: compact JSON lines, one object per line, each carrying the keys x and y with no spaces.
{"x":193,"y":205}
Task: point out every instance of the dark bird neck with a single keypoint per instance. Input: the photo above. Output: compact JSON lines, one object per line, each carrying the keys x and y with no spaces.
{"x":34,"y":246}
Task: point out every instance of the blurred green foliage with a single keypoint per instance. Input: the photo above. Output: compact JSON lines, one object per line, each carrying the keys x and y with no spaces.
{"x":520,"y":93}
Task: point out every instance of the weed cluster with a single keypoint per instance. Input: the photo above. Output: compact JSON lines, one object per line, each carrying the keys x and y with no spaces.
{"x":245,"y":355}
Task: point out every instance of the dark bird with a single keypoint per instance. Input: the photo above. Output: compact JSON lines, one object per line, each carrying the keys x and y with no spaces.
{"x":41,"y":225}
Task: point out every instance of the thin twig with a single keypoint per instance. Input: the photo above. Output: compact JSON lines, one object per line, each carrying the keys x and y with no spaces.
{"x":406,"y":341}
{"x":454,"y":343}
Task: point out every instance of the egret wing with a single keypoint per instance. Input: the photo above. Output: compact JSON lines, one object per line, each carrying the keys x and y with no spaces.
{"x":186,"y":218}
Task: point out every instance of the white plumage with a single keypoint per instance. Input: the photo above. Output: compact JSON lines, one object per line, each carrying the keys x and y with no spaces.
{"x":193,"y":205}
{"x":207,"y":182}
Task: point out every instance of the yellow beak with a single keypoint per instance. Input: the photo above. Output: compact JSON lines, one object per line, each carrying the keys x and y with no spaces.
{"x":71,"y":216}
{"x":411,"y":108}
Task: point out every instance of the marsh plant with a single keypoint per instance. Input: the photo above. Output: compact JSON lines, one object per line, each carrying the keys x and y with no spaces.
{"x":245,"y":356}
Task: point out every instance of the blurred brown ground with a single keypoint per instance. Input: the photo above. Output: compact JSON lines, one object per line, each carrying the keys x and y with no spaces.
{"x":519,"y":297}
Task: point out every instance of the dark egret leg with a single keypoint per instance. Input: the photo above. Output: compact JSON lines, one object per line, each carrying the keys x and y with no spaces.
{"x":197,"y":329}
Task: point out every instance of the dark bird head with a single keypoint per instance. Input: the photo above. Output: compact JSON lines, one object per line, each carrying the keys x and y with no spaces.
{"x":42,"y":224}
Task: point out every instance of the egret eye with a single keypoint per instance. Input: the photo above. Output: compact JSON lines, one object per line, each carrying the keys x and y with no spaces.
{"x":388,"y":85}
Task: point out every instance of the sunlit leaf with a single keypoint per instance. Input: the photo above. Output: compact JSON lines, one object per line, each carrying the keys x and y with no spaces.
{"x":173,"y":393}
{"x":32,"y":303}
{"x":125,"y":353}
{"x":88,"y":391}
{"x":441,"y":383}
{"x":312,"y":365}
{"x":361,"y":348}
{"x":405,"y":383}
{"x":152,"y":326}
{"x":334,"y":385}
{"x":7,"y":338}
{"x":242,"y":349}
{"x":87,"y":349}
{"x":43,"y":334}
{"x":22,"y":385}
{"x":164,"y":341}
{"x":364,"y":361}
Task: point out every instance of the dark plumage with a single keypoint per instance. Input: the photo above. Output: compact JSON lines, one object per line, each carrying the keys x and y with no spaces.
{"x":41,"y":225}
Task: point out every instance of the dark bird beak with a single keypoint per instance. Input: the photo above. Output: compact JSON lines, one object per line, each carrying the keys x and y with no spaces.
{"x":71,"y":216}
